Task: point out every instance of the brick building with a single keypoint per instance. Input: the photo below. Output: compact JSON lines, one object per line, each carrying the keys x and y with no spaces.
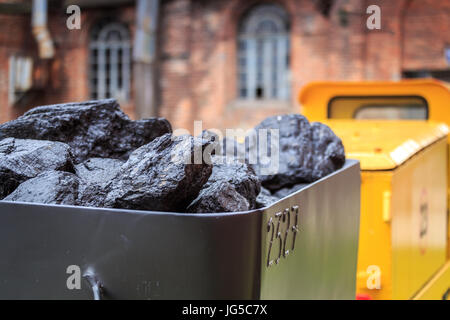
{"x":227,"y":62}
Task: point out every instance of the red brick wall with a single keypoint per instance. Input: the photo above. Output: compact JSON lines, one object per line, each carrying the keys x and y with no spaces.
{"x":197,"y":52}
{"x":14,"y":40}
{"x":426,"y":30}
{"x":68,"y":71}
{"x":198,"y":55}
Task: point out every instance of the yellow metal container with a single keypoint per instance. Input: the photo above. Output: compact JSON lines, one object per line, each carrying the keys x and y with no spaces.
{"x":402,"y":240}
{"x":324,"y":100}
{"x":438,"y":287}
{"x":424,"y":99}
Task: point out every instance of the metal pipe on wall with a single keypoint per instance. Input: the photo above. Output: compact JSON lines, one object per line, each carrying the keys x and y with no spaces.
{"x":144,"y":56}
{"x":40,"y":29}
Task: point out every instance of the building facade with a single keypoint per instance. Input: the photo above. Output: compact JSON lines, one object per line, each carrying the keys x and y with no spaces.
{"x":229,"y":63}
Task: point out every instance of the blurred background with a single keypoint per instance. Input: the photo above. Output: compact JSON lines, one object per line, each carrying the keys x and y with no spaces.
{"x":229,"y":63}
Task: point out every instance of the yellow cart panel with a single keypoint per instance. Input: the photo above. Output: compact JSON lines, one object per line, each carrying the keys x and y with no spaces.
{"x":402,"y":240}
{"x":438,"y":288}
{"x":315,"y":98}
{"x":319,"y":101}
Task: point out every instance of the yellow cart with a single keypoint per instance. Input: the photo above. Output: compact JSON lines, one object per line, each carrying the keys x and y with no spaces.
{"x":404,"y":162}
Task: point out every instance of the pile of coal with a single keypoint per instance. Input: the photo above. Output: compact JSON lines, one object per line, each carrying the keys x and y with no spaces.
{"x":92,"y":154}
{"x":51,"y":187}
{"x":230,"y":178}
{"x":21,"y":160}
{"x":295,"y":151}
{"x":220,"y":196}
{"x":98,"y":170}
{"x":92,"y":129}
{"x":161,"y":175}
{"x":329,"y":153}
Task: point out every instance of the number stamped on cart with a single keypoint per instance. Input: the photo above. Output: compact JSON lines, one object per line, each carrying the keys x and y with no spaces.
{"x":282,"y":230}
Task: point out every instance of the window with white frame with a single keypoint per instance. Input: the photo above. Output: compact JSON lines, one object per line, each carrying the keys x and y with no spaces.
{"x":263,"y":54}
{"x":110,"y":61}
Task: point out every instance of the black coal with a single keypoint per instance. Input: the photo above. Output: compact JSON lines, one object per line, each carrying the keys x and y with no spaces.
{"x":307,"y":152}
{"x":92,"y":129}
{"x":98,"y":170}
{"x":230,"y":178}
{"x":92,"y":154}
{"x":52,"y":187}
{"x":21,"y":160}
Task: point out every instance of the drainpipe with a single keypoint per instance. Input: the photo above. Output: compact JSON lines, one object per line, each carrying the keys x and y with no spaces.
{"x":147,"y":21}
{"x":144,"y":56}
{"x":40,"y":30}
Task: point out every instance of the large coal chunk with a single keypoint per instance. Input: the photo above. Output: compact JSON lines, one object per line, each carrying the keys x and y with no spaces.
{"x":164,"y":175}
{"x":92,"y":195}
{"x":240,"y":175}
{"x":92,"y":128}
{"x":220,"y":196}
{"x":287,"y":159}
{"x":296,"y":152}
{"x":265,"y":198}
{"x":95,"y":173}
{"x":98,"y":170}
{"x":329,"y":153}
{"x":51,"y":187}
{"x":23,"y":159}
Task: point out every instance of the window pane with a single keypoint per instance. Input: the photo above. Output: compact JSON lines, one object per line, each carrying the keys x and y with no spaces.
{"x":109,"y":66}
{"x":263,"y":49}
{"x":395,"y":107}
{"x":266,"y":27}
{"x":392,"y":112}
{"x":242,"y":45}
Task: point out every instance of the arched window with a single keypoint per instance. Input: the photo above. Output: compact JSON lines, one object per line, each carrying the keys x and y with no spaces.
{"x":110,"y":61}
{"x":263,"y":54}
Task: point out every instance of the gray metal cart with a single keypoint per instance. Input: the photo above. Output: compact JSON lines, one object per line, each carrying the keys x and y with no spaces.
{"x":302,"y":247}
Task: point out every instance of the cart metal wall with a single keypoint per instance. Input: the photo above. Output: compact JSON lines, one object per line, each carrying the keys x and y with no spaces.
{"x":158,"y":255}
